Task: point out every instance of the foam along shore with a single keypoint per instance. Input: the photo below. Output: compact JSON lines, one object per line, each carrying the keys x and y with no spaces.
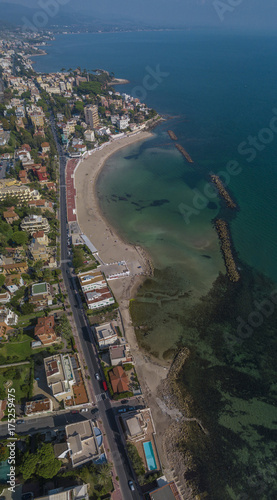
{"x":111,"y":248}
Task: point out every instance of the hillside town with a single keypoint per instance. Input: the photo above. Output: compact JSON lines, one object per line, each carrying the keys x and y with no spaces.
{"x":47,"y":396}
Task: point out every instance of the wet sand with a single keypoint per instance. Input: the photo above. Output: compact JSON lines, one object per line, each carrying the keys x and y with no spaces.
{"x":111,"y":248}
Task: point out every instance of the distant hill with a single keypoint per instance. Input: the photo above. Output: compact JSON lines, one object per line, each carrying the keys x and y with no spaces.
{"x":17,"y":15}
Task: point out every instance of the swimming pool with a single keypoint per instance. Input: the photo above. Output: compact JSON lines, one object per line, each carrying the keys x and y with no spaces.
{"x":4,"y":470}
{"x":149,"y":455}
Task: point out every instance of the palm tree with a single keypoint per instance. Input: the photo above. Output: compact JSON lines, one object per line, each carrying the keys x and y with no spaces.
{"x":104,"y":474}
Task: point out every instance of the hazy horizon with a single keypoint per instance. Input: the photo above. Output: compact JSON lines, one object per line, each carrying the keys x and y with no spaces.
{"x":177,"y":13}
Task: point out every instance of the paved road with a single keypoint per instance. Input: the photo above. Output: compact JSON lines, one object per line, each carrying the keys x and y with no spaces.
{"x":106,"y":413}
{"x":1,"y":90}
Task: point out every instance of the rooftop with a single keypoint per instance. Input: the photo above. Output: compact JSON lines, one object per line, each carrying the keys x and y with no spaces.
{"x":39,"y":288}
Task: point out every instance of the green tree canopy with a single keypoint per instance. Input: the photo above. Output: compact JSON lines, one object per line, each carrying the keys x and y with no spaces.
{"x":20,"y":237}
{"x":42,"y":463}
{"x":2,"y":279}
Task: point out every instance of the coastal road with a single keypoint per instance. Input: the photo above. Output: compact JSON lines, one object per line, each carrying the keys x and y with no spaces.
{"x":1,"y":90}
{"x":106,"y":413}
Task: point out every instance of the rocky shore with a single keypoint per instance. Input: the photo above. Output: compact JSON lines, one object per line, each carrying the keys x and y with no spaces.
{"x":223,"y":191}
{"x":184,"y":152}
{"x":226,"y":248}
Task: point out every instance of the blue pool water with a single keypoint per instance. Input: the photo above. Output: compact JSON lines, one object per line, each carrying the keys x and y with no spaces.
{"x":4,"y":469}
{"x":149,"y":455}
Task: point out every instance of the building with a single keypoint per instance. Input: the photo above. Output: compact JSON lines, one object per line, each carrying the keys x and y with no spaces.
{"x":43,"y":205}
{"x":45,"y":330}
{"x":38,"y":407}
{"x":8,"y":319}
{"x":10,"y":216}
{"x":59,"y":375}
{"x":119,"y":380}
{"x":33,"y":223}
{"x":91,"y":116}
{"x":38,"y":251}
{"x":99,"y":298}
{"x":122,"y":123}
{"x":106,"y":335}
{"x":4,"y":298}
{"x":120,"y":354}
{"x":15,"y":267}
{"x":41,"y":173}
{"x":45,"y":147}
{"x":14,"y":189}
{"x":23,"y":177}
{"x":91,"y":280}
{"x":139,"y":430}
{"x":41,"y":237}
{"x":37,"y":119}
{"x":89,"y":135}
{"x":71,"y":493}
{"x":40,"y":296}
{"x":7,"y":316}
{"x":167,"y":491}
{"x":13,"y":282}
{"x":84,"y":441}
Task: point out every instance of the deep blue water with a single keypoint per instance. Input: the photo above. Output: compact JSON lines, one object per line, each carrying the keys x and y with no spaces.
{"x":220,"y":90}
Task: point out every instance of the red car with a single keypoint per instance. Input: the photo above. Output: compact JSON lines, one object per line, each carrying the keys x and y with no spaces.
{"x":105,"y":387}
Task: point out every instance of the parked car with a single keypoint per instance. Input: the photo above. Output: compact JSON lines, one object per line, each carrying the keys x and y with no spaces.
{"x":97,"y":376}
{"x":131,"y":485}
{"x":131,"y":408}
{"x":105,"y":387}
{"x":121,"y":410}
{"x":73,"y":412}
{"x":20,"y":421}
{"x":84,"y":409}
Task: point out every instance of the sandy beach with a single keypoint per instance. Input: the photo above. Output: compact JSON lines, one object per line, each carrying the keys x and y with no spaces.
{"x":111,"y":248}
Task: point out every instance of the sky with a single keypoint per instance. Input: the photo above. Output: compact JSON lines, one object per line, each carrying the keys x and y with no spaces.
{"x":241,"y":13}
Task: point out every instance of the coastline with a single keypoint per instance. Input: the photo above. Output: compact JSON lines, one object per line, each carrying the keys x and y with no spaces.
{"x":151,"y":372}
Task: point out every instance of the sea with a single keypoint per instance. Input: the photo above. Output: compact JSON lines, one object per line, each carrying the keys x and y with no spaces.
{"x":216,"y":90}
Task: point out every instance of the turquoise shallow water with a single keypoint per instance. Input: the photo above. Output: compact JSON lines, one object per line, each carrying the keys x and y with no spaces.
{"x":220,"y":89}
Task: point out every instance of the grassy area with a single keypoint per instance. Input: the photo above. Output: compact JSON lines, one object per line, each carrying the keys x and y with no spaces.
{"x":20,"y":377}
{"x":27,"y":319}
{"x":13,"y":352}
{"x":21,"y":350}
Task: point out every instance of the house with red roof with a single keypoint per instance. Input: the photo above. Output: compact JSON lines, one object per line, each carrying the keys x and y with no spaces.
{"x":119,"y":380}
{"x":45,"y":147}
{"x":44,"y":330}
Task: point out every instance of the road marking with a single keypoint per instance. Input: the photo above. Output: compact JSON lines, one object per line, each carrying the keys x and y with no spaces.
{"x":64,"y":261}
{"x":100,"y":397}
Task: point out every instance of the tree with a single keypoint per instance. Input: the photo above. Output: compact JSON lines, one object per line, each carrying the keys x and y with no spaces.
{"x":104,"y":474}
{"x":28,"y":465}
{"x":4,"y":453}
{"x":42,"y":463}
{"x":49,"y":465}
{"x":20,"y":237}
{"x":27,"y":308}
{"x":2,"y":280}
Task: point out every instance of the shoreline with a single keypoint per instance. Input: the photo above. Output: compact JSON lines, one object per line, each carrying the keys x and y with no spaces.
{"x":151,"y":372}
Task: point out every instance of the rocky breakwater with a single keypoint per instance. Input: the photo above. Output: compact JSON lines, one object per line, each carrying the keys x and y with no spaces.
{"x":223,"y":191}
{"x":223,"y":232}
{"x":172,"y":401}
{"x":172,"y":135}
{"x":184,"y":152}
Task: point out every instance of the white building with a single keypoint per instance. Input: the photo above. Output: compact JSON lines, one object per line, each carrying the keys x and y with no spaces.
{"x":89,"y":135}
{"x":99,"y":298}
{"x":122,"y":123}
{"x":106,"y":335}
{"x":91,"y":280}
